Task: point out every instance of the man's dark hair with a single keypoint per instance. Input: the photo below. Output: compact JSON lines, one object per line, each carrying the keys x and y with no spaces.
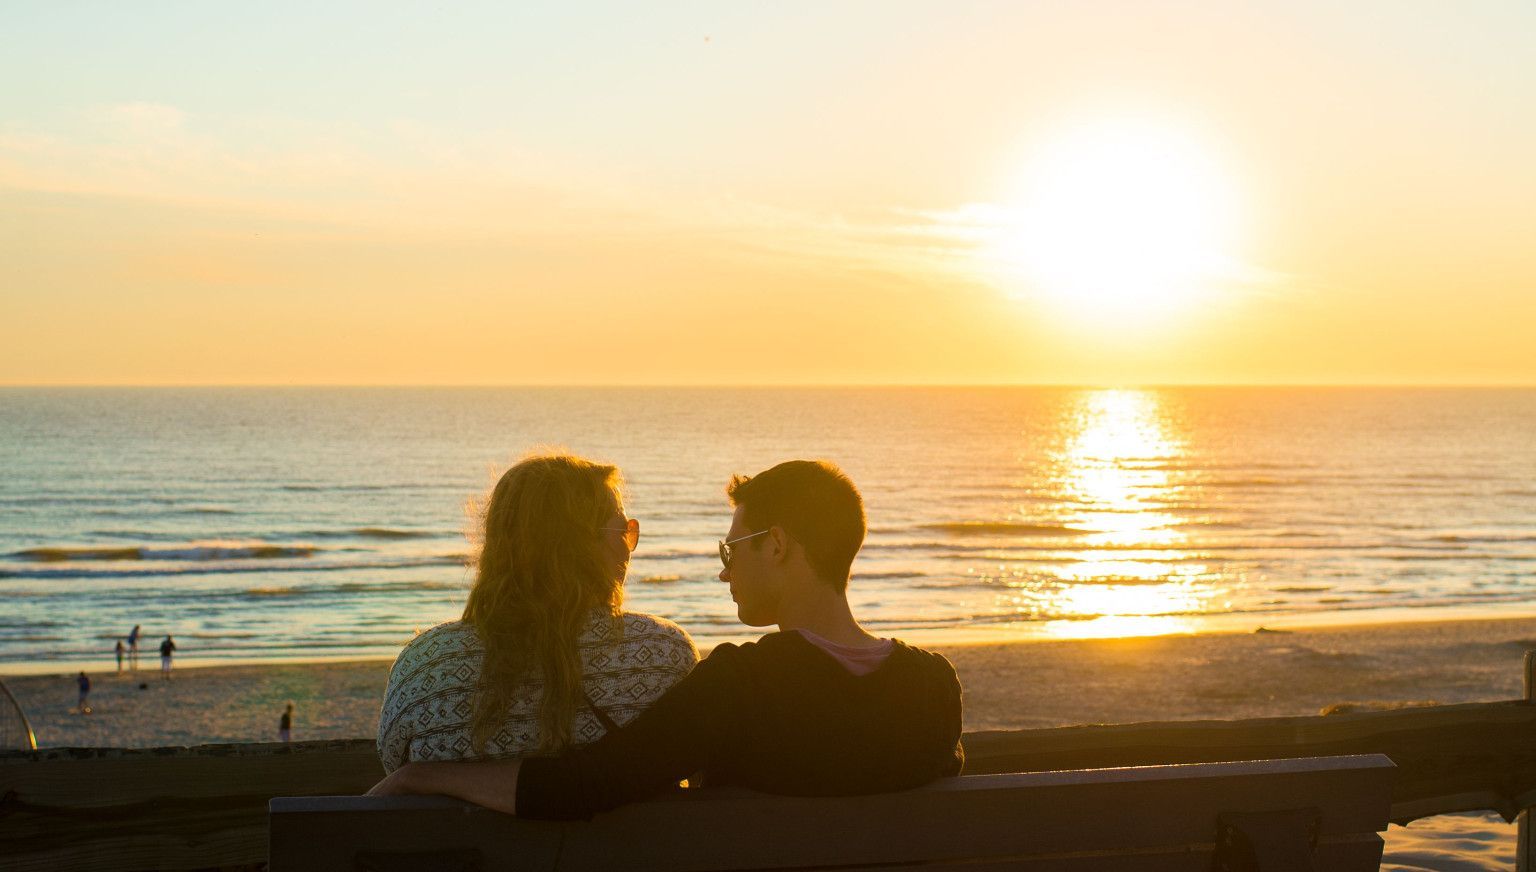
{"x":815,"y":503}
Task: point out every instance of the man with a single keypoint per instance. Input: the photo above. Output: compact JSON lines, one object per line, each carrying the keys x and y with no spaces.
{"x":819,"y":708}
{"x":133,"y":648}
{"x":83,"y":682}
{"x":167,"y":648}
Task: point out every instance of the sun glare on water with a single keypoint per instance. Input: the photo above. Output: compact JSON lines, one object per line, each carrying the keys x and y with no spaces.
{"x":1128,"y":567}
{"x":1117,"y":221}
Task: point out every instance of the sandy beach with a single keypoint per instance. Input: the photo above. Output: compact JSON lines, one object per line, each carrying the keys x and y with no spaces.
{"x":1007,"y":686}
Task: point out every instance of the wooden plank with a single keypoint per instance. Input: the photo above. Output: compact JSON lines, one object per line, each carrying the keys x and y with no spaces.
{"x":323,"y":834}
{"x":141,"y":846}
{"x":1345,"y":854}
{"x":162,"y":808}
{"x":1167,"y":813}
{"x":1441,"y":751}
{"x":98,"y":778}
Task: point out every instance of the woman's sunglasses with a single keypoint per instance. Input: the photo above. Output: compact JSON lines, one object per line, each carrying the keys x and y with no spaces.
{"x":631,"y":531}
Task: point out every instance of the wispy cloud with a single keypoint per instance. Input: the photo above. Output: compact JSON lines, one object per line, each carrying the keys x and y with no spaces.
{"x":346,"y":174}
{"x":407,"y":180}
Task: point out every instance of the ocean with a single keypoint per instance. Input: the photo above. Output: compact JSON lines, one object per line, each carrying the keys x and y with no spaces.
{"x":279,"y":523}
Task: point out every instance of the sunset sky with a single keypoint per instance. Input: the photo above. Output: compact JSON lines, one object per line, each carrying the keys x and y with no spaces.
{"x":880,"y":192}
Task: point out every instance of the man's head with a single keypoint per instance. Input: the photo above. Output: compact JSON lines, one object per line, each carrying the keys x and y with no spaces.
{"x":799,"y":523}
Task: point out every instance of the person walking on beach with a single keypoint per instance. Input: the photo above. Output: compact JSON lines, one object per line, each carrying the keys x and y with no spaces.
{"x":167,"y":648}
{"x":133,"y":648}
{"x":544,"y":657}
{"x":84,"y":683}
{"x":120,"y":649}
{"x":285,"y":725}
{"x":819,"y":708}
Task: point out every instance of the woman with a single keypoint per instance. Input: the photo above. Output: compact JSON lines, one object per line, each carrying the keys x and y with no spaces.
{"x":543,"y":658}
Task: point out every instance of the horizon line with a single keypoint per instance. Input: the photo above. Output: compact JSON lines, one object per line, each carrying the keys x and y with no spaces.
{"x":760,"y":385}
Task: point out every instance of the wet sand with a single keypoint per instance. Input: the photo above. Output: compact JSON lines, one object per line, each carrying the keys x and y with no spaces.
{"x":1007,"y":686}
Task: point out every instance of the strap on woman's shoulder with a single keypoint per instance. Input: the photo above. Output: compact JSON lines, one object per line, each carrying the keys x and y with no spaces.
{"x":602,"y":716}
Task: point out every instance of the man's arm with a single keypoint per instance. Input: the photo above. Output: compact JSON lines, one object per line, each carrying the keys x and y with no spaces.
{"x":488,"y":783}
{"x":673,"y":739}
{"x":666,"y":743}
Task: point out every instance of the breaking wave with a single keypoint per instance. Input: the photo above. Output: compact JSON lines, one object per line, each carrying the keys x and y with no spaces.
{"x":252,"y":551}
{"x":390,"y":533}
{"x":83,"y":572}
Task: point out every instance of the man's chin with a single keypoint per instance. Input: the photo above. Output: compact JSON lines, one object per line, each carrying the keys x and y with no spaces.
{"x":752,"y":620}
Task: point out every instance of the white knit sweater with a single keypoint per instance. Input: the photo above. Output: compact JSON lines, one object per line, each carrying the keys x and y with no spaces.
{"x":626,"y":665}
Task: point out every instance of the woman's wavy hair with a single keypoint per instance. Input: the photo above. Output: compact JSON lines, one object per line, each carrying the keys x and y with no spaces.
{"x":541,"y":573}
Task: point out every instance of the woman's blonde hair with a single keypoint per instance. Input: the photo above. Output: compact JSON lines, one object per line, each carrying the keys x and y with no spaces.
{"x":541,"y":573}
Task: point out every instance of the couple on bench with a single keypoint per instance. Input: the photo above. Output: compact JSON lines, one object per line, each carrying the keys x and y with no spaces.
{"x":549,"y":701}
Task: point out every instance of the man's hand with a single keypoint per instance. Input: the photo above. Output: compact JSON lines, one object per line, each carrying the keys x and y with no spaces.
{"x":396,"y":783}
{"x":489,"y":783}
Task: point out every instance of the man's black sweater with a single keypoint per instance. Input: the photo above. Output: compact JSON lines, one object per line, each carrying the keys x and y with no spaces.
{"x":778,"y":715}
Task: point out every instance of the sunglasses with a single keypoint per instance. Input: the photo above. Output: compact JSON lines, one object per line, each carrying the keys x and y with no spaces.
{"x":727,"y":552}
{"x":631,"y":531}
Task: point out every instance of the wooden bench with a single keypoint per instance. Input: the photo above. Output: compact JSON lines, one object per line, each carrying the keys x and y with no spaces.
{"x":1314,"y":813}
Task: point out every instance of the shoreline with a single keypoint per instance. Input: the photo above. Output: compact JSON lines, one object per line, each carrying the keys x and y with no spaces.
{"x":1111,"y":628}
{"x":1019,"y":683}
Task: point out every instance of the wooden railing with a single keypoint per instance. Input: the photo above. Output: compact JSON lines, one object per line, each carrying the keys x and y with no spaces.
{"x":188,"y":808}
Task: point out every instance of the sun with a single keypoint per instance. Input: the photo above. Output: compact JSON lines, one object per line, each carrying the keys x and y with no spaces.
{"x":1118,"y":220}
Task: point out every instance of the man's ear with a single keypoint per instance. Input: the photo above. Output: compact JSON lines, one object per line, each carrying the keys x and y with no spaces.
{"x":779,"y":542}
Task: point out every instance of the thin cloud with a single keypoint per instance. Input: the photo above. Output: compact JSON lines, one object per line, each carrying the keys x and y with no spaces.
{"x":408,"y":181}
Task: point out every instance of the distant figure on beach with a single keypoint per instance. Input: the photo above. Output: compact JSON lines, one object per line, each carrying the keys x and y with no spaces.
{"x":285,"y":725}
{"x":133,"y":648}
{"x":819,"y":708}
{"x":167,"y":648}
{"x":120,"y":649}
{"x":544,"y":658}
{"x":84,"y":683}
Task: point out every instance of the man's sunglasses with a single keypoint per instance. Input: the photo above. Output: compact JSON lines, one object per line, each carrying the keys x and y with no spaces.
{"x":631,"y":531}
{"x":727,"y":552}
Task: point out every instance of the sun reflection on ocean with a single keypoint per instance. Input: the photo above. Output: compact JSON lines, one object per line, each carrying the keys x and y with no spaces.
{"x":1116,"y":468}
{"x":1117,"y":478}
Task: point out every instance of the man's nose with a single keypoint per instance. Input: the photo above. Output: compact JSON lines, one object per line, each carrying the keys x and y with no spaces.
{"x":725,"y":575}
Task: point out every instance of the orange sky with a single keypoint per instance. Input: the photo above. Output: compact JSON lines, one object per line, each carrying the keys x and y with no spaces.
{"x":793,"y":194}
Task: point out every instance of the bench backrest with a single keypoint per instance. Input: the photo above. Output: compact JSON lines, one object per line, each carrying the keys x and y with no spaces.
{"x":1139,"y":818}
